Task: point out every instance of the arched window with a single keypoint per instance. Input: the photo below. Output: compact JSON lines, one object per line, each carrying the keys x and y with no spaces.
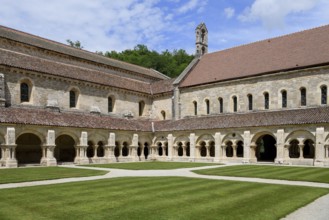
{"x":220,"y":101}
{"x":109,"y":104}
{"x":73,"y":99}
{"x":302,"y":96}
{"x":207,"y":106}
{"x":284,"y":98}
{"x":323,"y":95}
{"x":250,"y":102}
{"x":235,"y":103}
{"x":266,"y":100}
{"x":163,"y":113}
{"x":141,"y":106}
{"x":195,"y":108}
{"x":24,"y":92}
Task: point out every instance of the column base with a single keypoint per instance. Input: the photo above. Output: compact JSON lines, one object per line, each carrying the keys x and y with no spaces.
{"x":279,"y":161}
{"x":11,"y":163}
{"x":246,"y":161}
{"x":318,"y":163}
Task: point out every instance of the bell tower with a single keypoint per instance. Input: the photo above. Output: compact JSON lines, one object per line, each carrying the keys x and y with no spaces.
{"x":201,"y":43}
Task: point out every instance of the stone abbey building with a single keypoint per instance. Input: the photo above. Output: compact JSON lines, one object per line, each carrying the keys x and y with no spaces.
{"x":264,"y":101}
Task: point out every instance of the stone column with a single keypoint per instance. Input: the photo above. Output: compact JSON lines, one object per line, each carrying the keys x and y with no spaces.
{"x":280,"y":148}
{"x":192,"y":147}
{"x":234,"y":146}
{"x":133,"y":147}
{"x":319,"y":147}
{"x":153,"y":151}
{"x":208,"y":149}
{"x":246,"y":146}
{"x":48,"y":158}
{"x":83,"y":145}
{"x":218,"y":143}
{"x":170,"y":147}
{"x":10,"y":160}
{"x":184,"y":148}
{"x":301,"y":151}
{"x":109,"y":148}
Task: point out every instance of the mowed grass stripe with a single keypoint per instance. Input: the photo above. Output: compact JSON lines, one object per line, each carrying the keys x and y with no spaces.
{"x":16,"y":175}
{"x":154,"y":165}
{"x":311,"y":174}
{"x":155,"y":198}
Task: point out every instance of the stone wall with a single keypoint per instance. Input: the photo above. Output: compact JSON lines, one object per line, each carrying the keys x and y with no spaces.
{"x":291,"y":82}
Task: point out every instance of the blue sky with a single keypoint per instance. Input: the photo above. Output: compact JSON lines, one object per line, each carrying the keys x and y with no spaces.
{"x":105,"y":25}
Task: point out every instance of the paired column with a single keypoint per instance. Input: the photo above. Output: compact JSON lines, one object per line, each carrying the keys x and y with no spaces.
{"x":48,"y":158}
{"x":9,"y":148}
{"x":81,"y":149}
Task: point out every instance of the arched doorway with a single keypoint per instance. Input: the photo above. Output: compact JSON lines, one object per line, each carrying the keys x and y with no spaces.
{"x":239,"y":149}
{"x":90,"y":149}
{"x":160,"y":150}
{"x":212,"y":149}
{"x":64,"y":150}
{"x":308,"y":151}
{"x":117,"y":150}
{"x":100,"y":149}
{"x":266,"y":149}
{"x":203,"y":149}
{"x":229,"y":149}
{"x":188,"y":149}
{"x":125,"y":150}
{"x":180,"y":149}
{"x":28,"y":149}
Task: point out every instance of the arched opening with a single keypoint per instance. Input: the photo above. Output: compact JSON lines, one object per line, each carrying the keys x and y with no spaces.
{"x":207,"y":106}
{"x":141,"y":106}
{"x":195,"y":104}
{"x":220,"y":102}
{"x":73,"y":98}
{"x":235,"y":103}
{"x":64,"y":150}
{"x":160,"y":150}
{"x":28,"y":149}
{"x":90,"y":149}
{"x":146,"y":150}
{"x":110,"y":104}
{"x":125,"y":150}
{"x":308,"y":151}
{"x":284,"y":98}
{"x":323,"y":95}
{"x":239,"y":149}
{"x":117,"y":149}
{"x":266,"y":100}
{"x":139,"y":150}
{"x":229,"y":149}
{"x":212,"y":149}
{"x":100,"y":149}
{"x":294,"y":151}
{"x":25,"y":92}
{"x":203,"y":149}
{"x":303,"y":96}
{"x":188,"y":149}
{"x":250,"y":102}
{"x":163,"y":114}
{"x":165,"y":149}
{"x":180,"y":149}
{"x":266,"y":149}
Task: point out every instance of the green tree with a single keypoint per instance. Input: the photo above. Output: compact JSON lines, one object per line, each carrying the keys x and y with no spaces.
{"x":76,"y":44}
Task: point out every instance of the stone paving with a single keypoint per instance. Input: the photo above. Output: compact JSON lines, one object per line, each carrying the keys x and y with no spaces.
{"x":317,"y":210}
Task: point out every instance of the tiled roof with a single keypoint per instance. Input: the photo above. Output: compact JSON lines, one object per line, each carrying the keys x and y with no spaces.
{"x":29,"y":116}
{"x":298,"y":50}
{"x":256,"y":119}
{"x":162,"y":86}
{"x":34,"y":116}
{"x":27,"y":62}
{"x":83,"y":54}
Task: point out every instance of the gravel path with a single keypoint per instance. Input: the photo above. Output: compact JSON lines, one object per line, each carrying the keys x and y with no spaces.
{"x":318,"y":210}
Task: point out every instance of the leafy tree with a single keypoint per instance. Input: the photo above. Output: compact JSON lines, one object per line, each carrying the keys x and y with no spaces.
{"x":75,"y":44}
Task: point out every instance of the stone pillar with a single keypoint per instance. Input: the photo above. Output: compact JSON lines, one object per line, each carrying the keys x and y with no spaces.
{"x":153,"y":151}
{"x":234,"y":146}
{"x":48,"y":158}
{"x":10,"y":160}
{"x":109,"y":148}
{"x":246,"y":146}
{"x":301,"y":151}
{"x":83,"y":145}
{"x":218,"y":143}
{"x":133,"y":148}
{"x":319,"y":147}
{"x":170,"y":147}
{"x":192,"y":147}
{"x":208,"y":149}
{"x":280,"y":148}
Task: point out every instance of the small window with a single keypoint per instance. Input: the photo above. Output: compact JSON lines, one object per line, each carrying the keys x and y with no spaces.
{"x":266,"y":100}
{"x":323,"y":95}
{"x":163,"y":113}
{"x":250,"y":102}
{"x":220,"y":100}
{"x":235,"y":104}
{"x":195,"y":108}
{"x":284,"y":98}
{"x":207,"y":106}
{"x":73,"y":98}
{"x":303,"y":97}
{"x":141,"y":106}
{"x":110,"y":104}
{"x":24,"y":92}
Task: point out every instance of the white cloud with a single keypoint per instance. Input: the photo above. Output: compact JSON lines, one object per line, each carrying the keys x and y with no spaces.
{"x":192,"y":5}
{"x":229,"y":12}
{"x":272,"y":13}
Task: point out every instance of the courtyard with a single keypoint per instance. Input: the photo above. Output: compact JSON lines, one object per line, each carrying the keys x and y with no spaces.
{"x":144,"y":193}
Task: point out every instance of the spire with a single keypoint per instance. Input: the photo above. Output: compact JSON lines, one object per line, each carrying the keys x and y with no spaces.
{"x":201,"y":42}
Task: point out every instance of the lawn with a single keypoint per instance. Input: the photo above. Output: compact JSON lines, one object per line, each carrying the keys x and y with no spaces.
{"x":155,"y":198}
{"x":311,"y":174}
{"x":15,"y":175}
{"x":154,"y":165}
